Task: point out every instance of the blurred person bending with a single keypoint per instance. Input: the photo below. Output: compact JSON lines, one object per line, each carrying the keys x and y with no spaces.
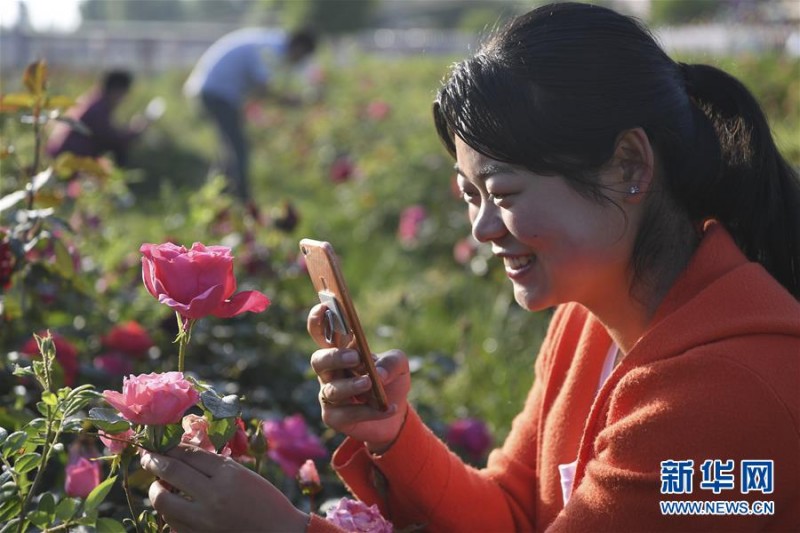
{"x":239,"y":66}
{"x":95,"y":111}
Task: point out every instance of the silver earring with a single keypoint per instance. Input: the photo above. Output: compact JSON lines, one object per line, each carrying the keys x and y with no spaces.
{"x":633,"y":190}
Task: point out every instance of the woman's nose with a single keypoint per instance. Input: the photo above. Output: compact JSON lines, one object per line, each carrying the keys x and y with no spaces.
{"x":487,"y":224}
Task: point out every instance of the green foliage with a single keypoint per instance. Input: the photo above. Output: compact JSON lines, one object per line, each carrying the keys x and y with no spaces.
{"x":28,"y":451}
{"x":327,"y":16}
{"x":684,"y":11}
{"x":79,"y":273}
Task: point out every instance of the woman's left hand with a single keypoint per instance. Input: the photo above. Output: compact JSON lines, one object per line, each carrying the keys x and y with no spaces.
{"x":217,"y":494}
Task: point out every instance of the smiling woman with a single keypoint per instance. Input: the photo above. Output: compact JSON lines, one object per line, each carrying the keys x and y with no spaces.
{"x":646,"y":201}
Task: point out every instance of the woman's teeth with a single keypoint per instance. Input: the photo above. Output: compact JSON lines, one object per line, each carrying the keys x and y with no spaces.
{"x":515,"y":263}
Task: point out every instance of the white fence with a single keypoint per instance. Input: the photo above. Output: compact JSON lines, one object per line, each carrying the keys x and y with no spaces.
{"x":156,"y":47}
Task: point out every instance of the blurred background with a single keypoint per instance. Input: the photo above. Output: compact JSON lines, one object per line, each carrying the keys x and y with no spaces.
{"x":357,"y":164}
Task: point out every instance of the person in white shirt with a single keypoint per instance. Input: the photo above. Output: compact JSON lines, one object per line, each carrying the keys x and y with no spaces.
{"x":237,"y":67}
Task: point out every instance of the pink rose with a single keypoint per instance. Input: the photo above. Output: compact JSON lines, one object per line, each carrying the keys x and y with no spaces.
{"x":129,"y":338}
{"x":113,"y":364}
{"x":66,"y":355}
{"x":153,"y":399}
{"x":411,"y":220}
{"x":239,"y":444}
{"x":116,"y":442}
{"x":342,"y":169}
{"x":196,"y":282}
{"x":355,"y":516}
{"x":195,"y":432}
{"x":7,"y":260}
{"x":290,"y":443}
{"x":470,"y":435}
{"x":464,"y":250}
{"x":81,"y":477}
{"x":308,"y":477}
{"x":378,"y":110}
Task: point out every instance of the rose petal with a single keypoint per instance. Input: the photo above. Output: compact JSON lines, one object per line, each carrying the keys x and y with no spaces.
{"x":252,"y":301}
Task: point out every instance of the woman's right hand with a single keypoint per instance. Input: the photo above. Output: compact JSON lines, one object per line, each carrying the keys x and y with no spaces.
{"x":339,"y":390}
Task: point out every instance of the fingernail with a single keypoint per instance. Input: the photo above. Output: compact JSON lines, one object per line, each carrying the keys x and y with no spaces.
{"x":363,"y":381}
{"x":383,"y":373}
{"x":349,"y":357}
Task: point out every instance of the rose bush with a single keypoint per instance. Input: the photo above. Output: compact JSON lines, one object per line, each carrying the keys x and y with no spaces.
{"x":82,"y":476}
{"x":129,"y":338}
{"x":66,"y":355}
{"x":290,"y":443}
{"x":197,"y":282}
{"x":116,"y":443}
{"x":153,"y":399}
{"x":471,"y":436}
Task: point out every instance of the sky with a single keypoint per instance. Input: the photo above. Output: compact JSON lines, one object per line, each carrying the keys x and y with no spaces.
{"x":60,"y":15}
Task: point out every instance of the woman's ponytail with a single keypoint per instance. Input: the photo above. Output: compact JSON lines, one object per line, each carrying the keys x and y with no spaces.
{"x":743,"y":182}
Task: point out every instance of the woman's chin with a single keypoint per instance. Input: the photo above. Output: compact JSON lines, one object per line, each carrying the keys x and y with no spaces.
{"x":530,"y":300}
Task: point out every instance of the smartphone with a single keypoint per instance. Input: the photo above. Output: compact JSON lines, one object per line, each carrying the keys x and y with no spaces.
{"x":342,"y":327}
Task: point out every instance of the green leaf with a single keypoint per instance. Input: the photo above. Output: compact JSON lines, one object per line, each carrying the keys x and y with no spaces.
{"x":27,"y":462}
{"x":8,"y":489}
{"x":75,"y":403}
{"x":220,"y":431}
{"x":109,"y":420}
{"x":10,"y":526}
{"x":10,"y":507}
{"x":37,"y":425}
{"x":226,"y":407}
{"x":49,"y":398}
{"x":83,"y":390}
{"x":3,"y":435}
{"x":170,"y":438}
{"x":109,"y":525}
{"x":40,"y":519}
{"x":72,"y":426}
{"x":45,"y":409}
{"x":148,"y":522}
{"x":23,"y":371}
{"x":64,"y":263}
{"x":66,"y":508}
{"x":47,"y":504}
{"x":13,"y":443}
{"x":88,"y":519}
{"x":99,"y":493}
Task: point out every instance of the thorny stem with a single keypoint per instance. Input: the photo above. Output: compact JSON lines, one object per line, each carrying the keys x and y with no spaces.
{"x":127,"y":490}
{"x":45,"y":450}
{"x":37,"y":478}
{"x":60,"y":527}
{"x":37,"y":138}
{"x":185,"y":326}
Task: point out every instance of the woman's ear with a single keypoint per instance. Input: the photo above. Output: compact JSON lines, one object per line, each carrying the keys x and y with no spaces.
{"x":633,"y":156}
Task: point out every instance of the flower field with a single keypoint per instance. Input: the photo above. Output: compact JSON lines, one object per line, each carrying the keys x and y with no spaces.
{"x":360,"y":166}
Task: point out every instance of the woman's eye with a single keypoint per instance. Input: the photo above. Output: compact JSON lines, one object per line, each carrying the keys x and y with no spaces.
{"x":498,"y":197}
{"x":469,"y":196}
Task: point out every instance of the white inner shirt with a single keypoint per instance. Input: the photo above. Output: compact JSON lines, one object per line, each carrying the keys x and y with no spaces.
{"x":567,"y":471}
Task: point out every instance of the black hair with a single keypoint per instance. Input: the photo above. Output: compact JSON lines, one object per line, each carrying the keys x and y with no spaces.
{"x":304,"y":39}
{"x":552,"y":91}
{"x":117,"y":80}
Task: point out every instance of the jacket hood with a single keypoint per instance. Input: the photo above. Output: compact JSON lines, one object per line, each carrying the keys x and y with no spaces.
{"x":733,"y":295}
